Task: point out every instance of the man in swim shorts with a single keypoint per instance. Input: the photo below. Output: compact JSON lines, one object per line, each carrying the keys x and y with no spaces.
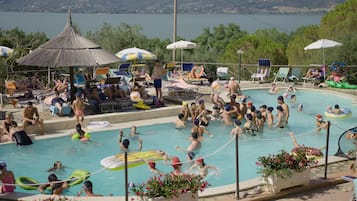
{"x":32,"y":117}
{"x":78,"y":108}
{"x":157,"y":74}
{"x":281,"y":119}
{"x":285,"y":108}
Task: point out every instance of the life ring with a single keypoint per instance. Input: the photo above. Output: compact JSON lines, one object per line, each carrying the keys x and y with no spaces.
{"x":116,"y":162}
{"x":77,"y":177}
{"x":77,"y":136}
{"x":141,"y":105}
{"x":346,"y":113}
{"x":27,"y":183}
{"x":98,"y":124}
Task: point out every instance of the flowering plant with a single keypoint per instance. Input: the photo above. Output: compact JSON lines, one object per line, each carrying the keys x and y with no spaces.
{"x":169,"y":186}
{"x":284,"y":164}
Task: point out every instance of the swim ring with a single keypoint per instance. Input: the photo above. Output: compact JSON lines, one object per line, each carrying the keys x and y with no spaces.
{"x":77,"y":136}
{"x":116,"y":162}
{"x":27,"y":183}
{"x":346,"y":113}
{"x":343,"y":85}
{"x":141,"y":105}
{"x":76,"y":177}
{"x":98,"y":124}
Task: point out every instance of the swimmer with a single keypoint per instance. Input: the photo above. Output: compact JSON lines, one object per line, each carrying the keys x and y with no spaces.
{"x":320,"y":123}
{"x":177,"y":165}
{"x":270,"y":116}
{"x":80,"y":134}
{"x":285,"y":108}
{"x":291,"y":89}
{"x":280,"y":118}
{"x":194,"y":146}
{"x":216,"y":113}
{"x":300,"y":108}
{"x":190,"y":156}
{"x":200,"y":130}
{"x":217,"y":100}
{"x":263,"y":110}
{"x":286,"y":95}
{"x":124,"y":144}
{"x":352,"y":134}
{"x":337,"y":110}
{"x":237,"y":130}
{"x":293,"y":99}
{"x":226,"y":115}
{"x":185,"y":111}
{"x":274,"y":88}
{"x":202,"y":167}
{"x":56,"y":166}
{"x":133,"y":132}
{"x":248,"y":126}
{"x":152,"y":167}
{"x":259,"y":123}
{"x":180,"y":122}
{"x":329,"y":109}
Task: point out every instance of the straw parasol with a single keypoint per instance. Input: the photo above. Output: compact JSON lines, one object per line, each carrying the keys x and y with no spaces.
{"x":68,"y":49}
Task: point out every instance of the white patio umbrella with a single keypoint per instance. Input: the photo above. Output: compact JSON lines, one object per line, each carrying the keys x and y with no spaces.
{"x":322,"y":44}
{"x":182,"y":45}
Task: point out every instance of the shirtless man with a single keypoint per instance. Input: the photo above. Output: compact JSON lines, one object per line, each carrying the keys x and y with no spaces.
{"x":233,"y":87}
{"x":202,"y":167}
{"x":185,"y":111}
{"x":280,"y":118}
{"x":32,"y":117}
{"x":237,"y":130}
{"x":270,"y":116}
{"x":180,"y":123}
{"x":200,"y":130}
{"x":285,"y":108}
{"x":124,"y":144}
{"x":88,"y":190}
{"x":78,"y":108}
{"x":320,"y":123}
{"x":226,"y":115}
{"x":194,"y":146}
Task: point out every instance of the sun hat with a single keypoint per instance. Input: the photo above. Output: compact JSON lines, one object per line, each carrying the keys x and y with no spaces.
{"x":2,"y":165}
{"x":200,"y":160}
{"x":152,"y":164}
{"x":175,"y":161}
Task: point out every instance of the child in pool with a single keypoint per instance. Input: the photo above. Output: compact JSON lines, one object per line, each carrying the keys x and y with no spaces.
{"x":237,"y":130}
{"x":337,"y":110}
{"x":300,"y":108}
{"x":293,"y":99}
{"x":180,"y":122}
{"x":80,"y":134}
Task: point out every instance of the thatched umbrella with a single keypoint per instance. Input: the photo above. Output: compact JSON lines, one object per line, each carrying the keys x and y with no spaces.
{"x":68,"y":49}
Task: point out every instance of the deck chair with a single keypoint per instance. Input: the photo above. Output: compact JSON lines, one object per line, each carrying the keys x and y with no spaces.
{"x":263,"y":70}
{"x":79,"y":80}
{"x":12,"y":90}
{"x":295,"y":75}
{"x":282,"y":75}
{"x":187,"y":67}
{"x":222,"y":73}
{"x":123,"y":69}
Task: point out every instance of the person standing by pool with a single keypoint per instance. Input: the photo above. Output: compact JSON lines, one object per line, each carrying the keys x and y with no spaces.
{"x":158,"y":73}
{"x":285,"y":108}
{"x":88,"y":190}
{"x":32,"y":117}
{"x":78,"y":108}
{"x":270,"y":116}
{"x":7,"y":179}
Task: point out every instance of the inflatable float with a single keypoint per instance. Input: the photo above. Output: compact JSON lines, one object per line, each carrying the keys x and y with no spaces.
{"x":342,"y":85}
{"x":346,"y":113}
{"x":141,"y":105}
{"x":77,"y":177}
{"x":97,"y":124}
{"x":116,"y":162}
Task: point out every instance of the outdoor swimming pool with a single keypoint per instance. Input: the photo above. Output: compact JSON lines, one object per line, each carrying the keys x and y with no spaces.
{"x":34,"y":160}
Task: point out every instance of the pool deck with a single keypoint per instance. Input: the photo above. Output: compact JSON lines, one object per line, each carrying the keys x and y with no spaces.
{"x":333,"y":188}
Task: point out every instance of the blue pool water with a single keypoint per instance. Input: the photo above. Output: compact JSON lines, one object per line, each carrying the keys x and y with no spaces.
{"x":34,"y":160}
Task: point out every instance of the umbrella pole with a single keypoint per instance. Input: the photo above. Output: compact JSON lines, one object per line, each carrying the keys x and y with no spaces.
{"x":323,"y":59}
{"x":182,"y":58}
{"x":71,"y":81}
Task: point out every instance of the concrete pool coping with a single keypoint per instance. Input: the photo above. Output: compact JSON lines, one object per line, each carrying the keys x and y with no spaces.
{"x":163,"y":115}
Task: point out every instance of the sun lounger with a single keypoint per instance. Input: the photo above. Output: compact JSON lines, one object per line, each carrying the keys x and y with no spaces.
{"x":222,"y":73}
{"x":263,"y":70}
{"x":282,"y":75}
{"x":180,"y":88}
{"x":295,"y":75}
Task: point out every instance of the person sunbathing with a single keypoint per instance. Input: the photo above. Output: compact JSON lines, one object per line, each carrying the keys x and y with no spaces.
{"x":309,"y":151}
{"x":197,"y":72}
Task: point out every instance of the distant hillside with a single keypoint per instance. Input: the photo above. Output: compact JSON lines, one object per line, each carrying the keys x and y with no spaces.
{"x":166,"y":6}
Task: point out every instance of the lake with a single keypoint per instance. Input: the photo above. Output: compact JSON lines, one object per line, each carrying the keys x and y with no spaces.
{"x":153,"y":25}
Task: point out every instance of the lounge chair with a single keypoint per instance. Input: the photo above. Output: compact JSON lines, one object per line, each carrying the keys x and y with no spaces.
{"x":189,"y":70}
{"x":263,"y":70}
{"x":282,"y":75}
{"x":222,"y":73}
{"x":295,"y":75}
{"x":180,"y":88}
{"x":123,"y":69}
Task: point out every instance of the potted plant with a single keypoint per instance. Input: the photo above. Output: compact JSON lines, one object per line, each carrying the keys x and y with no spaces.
{"x":170,"y":187}
{"x":285,"y":170}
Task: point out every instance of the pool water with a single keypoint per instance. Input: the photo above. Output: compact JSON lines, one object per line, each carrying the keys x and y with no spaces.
{"x":34,"y":160}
